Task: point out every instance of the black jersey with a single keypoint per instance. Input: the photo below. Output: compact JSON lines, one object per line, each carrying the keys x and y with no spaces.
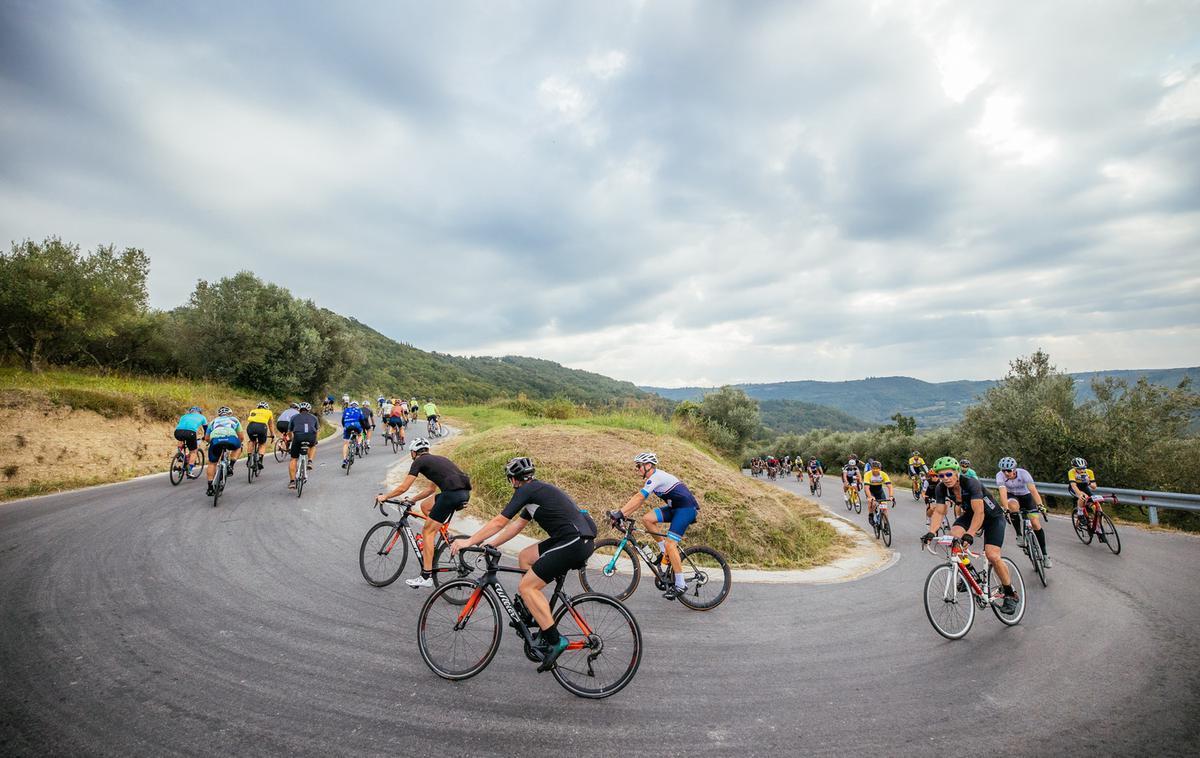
{"x":969,"y":489}
{"x":553,"y":510}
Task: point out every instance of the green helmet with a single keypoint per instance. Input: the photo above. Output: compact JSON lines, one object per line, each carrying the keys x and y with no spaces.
{"x":945,"y":462}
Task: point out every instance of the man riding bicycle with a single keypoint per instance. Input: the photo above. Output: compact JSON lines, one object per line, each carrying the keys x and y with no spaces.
{"x":916,"y":465}
{"x":815,"y":471}
{"x":679,"y":511}
{"x":1081,"y":482}
{"x":876,"y":480}
{"x":1019,"y":496}
{"x":851,"y":476}
{"x":258,"y":426}
{"x":281,"y":421}
{"x":431,"y":413}
{"x":191,"y":424}
{"x":368,"y":421}
{"x":570,"y":540}
{"x":352,"y":421}
{"x":302,"y":429}
{"x":979,"y":511}
{"x":224,"y":433}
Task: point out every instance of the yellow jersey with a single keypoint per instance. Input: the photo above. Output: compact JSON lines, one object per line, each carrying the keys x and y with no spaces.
{"x":916,"y":461}
{"x":260,"y":416}
{"x":877,"y":477}
{"x":1081,"y":477}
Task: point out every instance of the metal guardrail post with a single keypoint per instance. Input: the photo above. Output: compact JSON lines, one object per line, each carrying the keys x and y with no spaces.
{"x":1152,"y":511}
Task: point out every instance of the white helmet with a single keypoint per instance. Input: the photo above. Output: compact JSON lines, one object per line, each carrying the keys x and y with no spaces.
{"x":1078,"y":463}
{"x":353,"y":403}
{"x":650,"y":458}
{"x":419,"y":445}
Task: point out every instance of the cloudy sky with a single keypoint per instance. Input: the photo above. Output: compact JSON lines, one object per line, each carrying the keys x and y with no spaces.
{"x":666,"y":192}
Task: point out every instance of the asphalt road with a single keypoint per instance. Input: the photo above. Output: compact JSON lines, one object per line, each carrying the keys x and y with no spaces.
{"x":140,"y":620}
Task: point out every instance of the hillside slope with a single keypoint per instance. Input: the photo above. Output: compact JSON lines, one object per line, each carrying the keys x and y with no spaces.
{"x":798,"y":417}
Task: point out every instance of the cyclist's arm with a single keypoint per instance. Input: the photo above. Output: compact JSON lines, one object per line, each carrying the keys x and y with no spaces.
{"x":977,"y":516}
{"x":1037,"y":496}
{"x":497,"y":524}
{"x":891,"y":491}
{"x":510,"y":529}
{"x":634,"y":503}
{"x":400,"y":488}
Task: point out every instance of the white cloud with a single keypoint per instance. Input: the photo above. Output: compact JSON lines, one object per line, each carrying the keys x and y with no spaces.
{"x":607,"y":65}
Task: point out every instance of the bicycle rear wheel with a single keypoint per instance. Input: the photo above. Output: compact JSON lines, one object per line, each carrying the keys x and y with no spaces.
{"x":447,"y":568}
{"x":382,"y":554}
{"x":818,"y":488}
{"x":997,"y":593}
{"x":949,"y":611}
{"x":1081,"y":528}
{"x":857,"y":498}
{"x":301,"y":478}
{"x":885,"y":529}
{"x":1109,"y":530}
{"x":457,"y":642}
{"x":178,"y":468}
{"x":605,"y":646}
{"x":708,"y":578}
{"x":611,"y":572}
{"x":218,"y":482}
{"x":251,"y":469}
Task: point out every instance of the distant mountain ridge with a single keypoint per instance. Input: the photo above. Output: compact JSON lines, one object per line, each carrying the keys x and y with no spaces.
{"x":875,"y":399}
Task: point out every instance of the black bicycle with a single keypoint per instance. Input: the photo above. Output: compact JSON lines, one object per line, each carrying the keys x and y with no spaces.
{"x":604,"y":642}
{"x":614,"y":569}
{"x":355,"y":449}
{"x":254,"y":462}
{"x":302,"y":469}
{"x":224,"y":471}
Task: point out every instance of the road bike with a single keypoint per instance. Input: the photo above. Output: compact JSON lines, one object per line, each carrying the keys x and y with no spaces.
{"x":180,"y":466}
{"x":916,"y":487}
{"x":854,"y":501}
{"x":614,"y":569}
{"x":881,"y":523}
{"x":384,"y":548}
{"x":302,"y":469}
{"x":954,"y":589}
{"x":434,"y":428}
{"x":282,"y":448}
{"x":814,"y":485}
{"x":254,"y":461}
{"x":224,"y":471}
{"x":392,"y":435}
{"x":604,"y":641}
{"x":1094,"y":522}
{"x":1029,"y":542}
{"x":355,"y":449}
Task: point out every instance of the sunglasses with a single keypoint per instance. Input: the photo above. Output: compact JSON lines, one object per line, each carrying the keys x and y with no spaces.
{"x":947,"y":474}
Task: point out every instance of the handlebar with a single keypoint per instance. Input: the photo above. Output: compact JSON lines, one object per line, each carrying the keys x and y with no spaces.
{"x":491,"y":556}
{"x":404,"y":504}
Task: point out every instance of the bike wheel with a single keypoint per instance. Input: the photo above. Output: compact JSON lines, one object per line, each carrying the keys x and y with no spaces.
{"x":178,"y":468}
{"x":218,"y":482}
{"x":300,"y":479}
{"x":818,"y":489}
{"x":857,"y":504}
{"x":1081,"y":528}
{"x":849,"y":503}
{"x":1109,"y":530}
{"x":1035,"y":554}
{"x":605,"y":646}
{"x":458,"y":642}
{"x":886,"y":529}
{"x":349,"y":462}
{"x":281,"y":451}
{"x":197,"y":468}
{"x":997,"y":593}
{"x":251,"y":469}
{"x":949,"y":611}
{"x":916,"y":490}
{"x":611,"y":572}
{"x":708,"y":578}
{"x":383,"y":553}
{"x":447,"y":568}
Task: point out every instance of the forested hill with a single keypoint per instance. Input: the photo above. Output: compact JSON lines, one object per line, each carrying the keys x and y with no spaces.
{"x":798,"y":417}
{"x":388,"y":366}
{"x":875,"y":399}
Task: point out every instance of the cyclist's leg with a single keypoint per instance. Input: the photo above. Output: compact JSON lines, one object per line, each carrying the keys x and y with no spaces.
{"x":1035,"y":523}
{"x":650,"y":521}
{"x":439,"y":509}
{"x":681,"y":519}
{"x":993,"y":540}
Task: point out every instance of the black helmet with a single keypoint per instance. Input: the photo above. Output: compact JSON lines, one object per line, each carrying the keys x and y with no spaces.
{"x":519,"y":468}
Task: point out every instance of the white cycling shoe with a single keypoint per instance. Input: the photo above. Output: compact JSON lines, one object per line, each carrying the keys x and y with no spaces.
{"x":417,"y":581}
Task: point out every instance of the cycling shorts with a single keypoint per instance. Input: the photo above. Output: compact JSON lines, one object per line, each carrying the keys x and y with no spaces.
{"x":396,"y":420}
{"x":877,"y":491}
{"x":679,"y":517}
{"x":346,"y":430}
{"x":852,"y":481}
{"x":1025,"y":501}
{"x":187,"y":436}
{"x":281,"y":427}
{"x":220,"y":444}
{"x":993,"y":527}
{"x":558,"y":555}
{"x":446,"y":503}
{"x":310,"y":438}
{"x":257,"y":431}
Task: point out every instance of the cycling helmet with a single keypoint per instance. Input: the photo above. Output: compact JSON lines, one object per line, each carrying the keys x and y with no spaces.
{"x":419,"y":445}
{"x":650,"y":458}
{"x":1078,"y":463}
{"x":519,"y":468}
{"x":224,"y":410}
{"x":946,"y":463}
{"x":305,"y":406}
{"x":263,"y":404}
{"x":194,"y":409}
{"x":1008,"y":463}
{"x":353,"y":403}
{"x":296,"y":406}
{"x":916,"y":454}
{"x":964,"y":462}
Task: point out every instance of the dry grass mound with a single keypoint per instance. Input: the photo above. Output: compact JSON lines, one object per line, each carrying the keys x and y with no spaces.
{"x":753,"y":523}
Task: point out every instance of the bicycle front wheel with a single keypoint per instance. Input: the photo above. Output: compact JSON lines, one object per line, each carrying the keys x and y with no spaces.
{"x":457,"y":642}
{"x":997,"y":592}
{"x":300,"y":480}
{"x":383,"y":553}
{"x":818,"y":489}
{"x":1081,"y":528}
{"x":447,"y":568}
{"x":708,"y":578}
{"x":886,"y":529}
{"x":1035,"y":553}
{"x":250,"y":468}
{"x":950,"y":611}
{"x":604,"y":646}
{"x":610,"y":571}
{"x":178,"y":468}
{"x":857,"y":504}
{"x":1109,"y":530}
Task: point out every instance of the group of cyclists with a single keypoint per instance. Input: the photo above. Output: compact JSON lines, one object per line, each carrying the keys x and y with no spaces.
{"x":359,"y":420}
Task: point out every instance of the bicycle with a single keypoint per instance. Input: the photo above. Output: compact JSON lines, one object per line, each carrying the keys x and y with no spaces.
{"x":253,"y":462}
{"x":282,"y":449}
{"x":180,"y":467}
{"x":1032,"y":547}
{"x":881,"y":524}
{"x":381,"y":562}
{"x":604,"y":641}
{"x":224,"y":471}
{"x":814,"y":485}
{"x":954,"y":589}
{"x":354,"y":450}
{"x":397,"y":444}
{"x":434,"y":429}
{"x":854,"y":503}
{"x":1097,"y":523}
{"x":916,"y":487}
{"x":302,"y":469}
{"x":614,"y":569}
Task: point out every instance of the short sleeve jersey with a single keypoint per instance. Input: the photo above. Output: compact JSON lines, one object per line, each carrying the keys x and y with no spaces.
{"x":287,"y":415}
{"x":553,"y":510}
{"x":351,"y":416}
{"x":851,"y":471}
{"x":430,"y":409}
{"x":1017,"y":486}
{"x":969,"y":489}
{"x":441,"y":471}
{"x":878,"y":477}
{"x":192,"y":422}
{"x":1084,"y":477}
{"x":916,"y":461}
{"x":672,"y":491}
{"x":224,"y":427}
{"x":814,"y":465}
{"x":260,"y":416}
{"x":303,"y":423}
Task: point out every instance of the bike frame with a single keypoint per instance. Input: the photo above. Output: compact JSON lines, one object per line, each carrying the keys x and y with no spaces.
{"x":630,"y":528}
{"x":979,"y":592}
{"x":402,"y":525}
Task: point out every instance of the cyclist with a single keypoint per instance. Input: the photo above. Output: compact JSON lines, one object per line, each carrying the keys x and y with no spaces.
{"x":368,"y":421}
{"x":1018,"y":495}
{"x":876,"y":479}
{"x":224,"y":433}
{"x":978,"y":510}
{"x":679,"y":510}
{"x":352,"y":423}
{"x":281,"y":422}
{"x":431,"y":413}
{"x":258,"y":426}
{"x":569,"y":543}
{"x":851,"y":477}
{"x":302,"y":427}
{"x":190,"y":424}
{"x":397,"y":421}
{"x":449,"y":490}
{"x":345,"y":402}
{"x":815,"y":472}
{"x":413,"y":408}
{"x":916,"y":465}
{"x":385,"y":415}
{"x":964,"y":468}
{"x":1082,"y":483}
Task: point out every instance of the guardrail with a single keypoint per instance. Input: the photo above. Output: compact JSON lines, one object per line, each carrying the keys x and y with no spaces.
{"x":1148,"y":499}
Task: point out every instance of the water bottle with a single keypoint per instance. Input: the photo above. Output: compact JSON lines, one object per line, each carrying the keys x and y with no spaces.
{"x":421,"y":542}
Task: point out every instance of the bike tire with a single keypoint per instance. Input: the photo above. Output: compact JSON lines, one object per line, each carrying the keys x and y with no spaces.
{"x":1109,"y":530}
{"x":626,"y":571}
{"x":617,"y":639}
{"x":436,"y":632}
{"x":197,"y":468}
{"x":701,"y":566}
{"x":1034,"y":548}
{"x":300,"y":480}
{"x":858,"y":505}
{"x":178,"y":468}
{"x":916,"y":491}
{"x":954,"y":610}
{"x":849,"y":503}
{"x":281,"y":451}
{"x":449,"y":568}
{"x":994,"y":588}
{"x":349,"y":462}
{"x":886,"y":529}
{"x":376,"y":555}
{"x":250,"y":467}
{"x":218,"y":482}
{"x":1081,"y":528}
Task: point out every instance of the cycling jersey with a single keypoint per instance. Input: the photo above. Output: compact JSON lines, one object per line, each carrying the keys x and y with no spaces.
{"x":192,"y":422}
{"x":1083,"y":478}
{"x":916,"y":461}
{"x":303,"y":424}
{"x":224,"y":427}
{"x":430,"y":409}
{"x":260,"y":416}
{"x":672,"y":491}
{"x":553,"y":510}
{"x":385,"y":409}
{"x":851,"y":472}
{"x":352,"y":417}
{"x":1017,"y":486}
{"x":877,"y":477}
{"x":969,"y":489}
{"x":814,"y":465}
{"x":441,"y":471}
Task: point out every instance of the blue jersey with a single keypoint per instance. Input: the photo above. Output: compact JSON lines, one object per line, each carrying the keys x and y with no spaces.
{"x":672,"y":491}
{"x":352,"y":417}
{"x":224,"y":427}
{"x":192,"y":422}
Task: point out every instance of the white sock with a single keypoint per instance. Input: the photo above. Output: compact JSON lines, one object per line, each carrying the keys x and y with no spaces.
{"x":662,"y":547}
{"x":679,"y":583}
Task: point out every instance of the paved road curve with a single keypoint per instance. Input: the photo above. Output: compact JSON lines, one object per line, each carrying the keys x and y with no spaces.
{"x":139,"y":620}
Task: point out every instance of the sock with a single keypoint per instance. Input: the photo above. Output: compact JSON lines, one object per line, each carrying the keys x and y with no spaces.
{"x":679,"y":582}
{"x":1041,"y":538}
{"x":1008,"y":590}
{"x":662,"y":547}
{"x":550,"y":634}
{"x":1015,"y":518}
{"x":426,"y":574}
